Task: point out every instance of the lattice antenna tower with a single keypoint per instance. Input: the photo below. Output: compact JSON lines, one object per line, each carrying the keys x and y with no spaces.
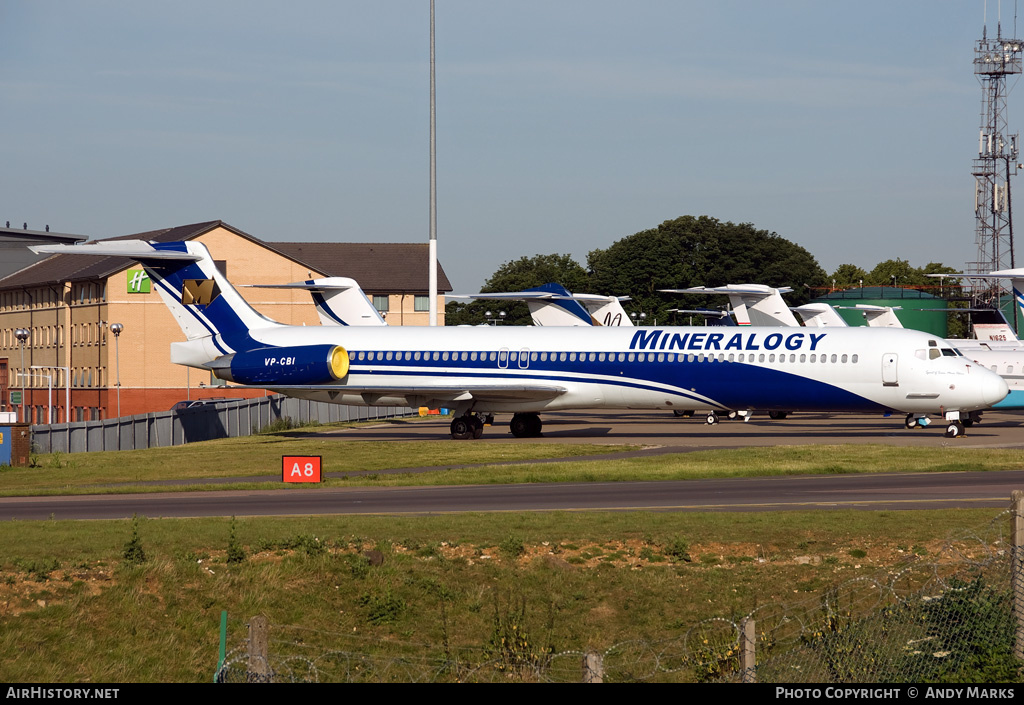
{"x":995,"y":59}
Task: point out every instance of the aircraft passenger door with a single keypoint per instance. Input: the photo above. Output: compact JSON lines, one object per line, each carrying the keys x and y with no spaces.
{"x":889,"y":378}
{"x":503,"y":358}
{"x":524,"y":358}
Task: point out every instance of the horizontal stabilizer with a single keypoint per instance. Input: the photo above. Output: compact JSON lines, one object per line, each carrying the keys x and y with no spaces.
{"x":135,"y":249}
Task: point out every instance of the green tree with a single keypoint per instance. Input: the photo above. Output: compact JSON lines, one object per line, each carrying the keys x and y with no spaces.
{"x":847,"y":276}
{"x":884,"y":272}
{"x":693,"y":251}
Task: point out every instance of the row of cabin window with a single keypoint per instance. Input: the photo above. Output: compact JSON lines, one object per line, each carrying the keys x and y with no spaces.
{"x":513,"y":356}
{"x":1009,"y":369}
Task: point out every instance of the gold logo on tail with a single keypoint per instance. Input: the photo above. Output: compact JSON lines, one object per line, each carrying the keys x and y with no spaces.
{"x":199,"y":292}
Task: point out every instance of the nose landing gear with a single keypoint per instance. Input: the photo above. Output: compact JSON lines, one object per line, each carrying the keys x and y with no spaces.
{"x":954,"y":429}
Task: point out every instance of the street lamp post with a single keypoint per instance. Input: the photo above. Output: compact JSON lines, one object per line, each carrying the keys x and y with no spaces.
{"x":116,"y":329}
{"x":495,"y":321}
{"x":67,"y":390}
{"x":22,"y":335}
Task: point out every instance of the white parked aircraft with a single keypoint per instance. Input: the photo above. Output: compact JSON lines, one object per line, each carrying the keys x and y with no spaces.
{"x":525,"y":371}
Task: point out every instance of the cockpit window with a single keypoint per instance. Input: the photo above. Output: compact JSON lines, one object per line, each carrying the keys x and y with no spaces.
{"x":934,"y":354}
{"x":949,"y":352}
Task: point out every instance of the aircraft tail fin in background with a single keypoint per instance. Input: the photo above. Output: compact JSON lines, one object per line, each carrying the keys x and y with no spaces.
{"x":554,"y":306}
{"x":991,"y":325}
{"x":879,"y":316}
{"x":1016,"y":277}
{"x":339,"y":301}
{"x":820,"y":316}
{"x":605,"y":310}
{"x":754,"y":304}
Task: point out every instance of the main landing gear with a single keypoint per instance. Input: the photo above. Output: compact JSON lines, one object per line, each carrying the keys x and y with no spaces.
{"x":471,"y":426}
{"x":525,"y":425}
{"x":466,"y":427}
{"x":916,"y":421}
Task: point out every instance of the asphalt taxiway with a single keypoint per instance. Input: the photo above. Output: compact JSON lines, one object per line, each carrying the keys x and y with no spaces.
{"x":657,"y":433}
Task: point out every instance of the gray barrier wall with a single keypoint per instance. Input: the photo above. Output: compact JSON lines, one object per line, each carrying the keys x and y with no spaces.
{"x":201,"y":423}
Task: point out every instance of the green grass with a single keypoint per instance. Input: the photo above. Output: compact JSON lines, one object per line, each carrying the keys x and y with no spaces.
{"x":60,"y":473}
{"x":73,"y":609}
{"x":125,"y":471}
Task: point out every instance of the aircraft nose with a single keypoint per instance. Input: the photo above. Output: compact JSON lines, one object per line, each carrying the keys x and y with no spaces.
{"x":994,"y":389}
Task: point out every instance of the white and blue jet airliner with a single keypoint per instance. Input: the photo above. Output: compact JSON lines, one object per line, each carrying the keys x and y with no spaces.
{"x":525,"y":371}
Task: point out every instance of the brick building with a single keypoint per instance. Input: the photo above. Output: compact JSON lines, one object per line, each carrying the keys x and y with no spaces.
{"x":67,"y":304}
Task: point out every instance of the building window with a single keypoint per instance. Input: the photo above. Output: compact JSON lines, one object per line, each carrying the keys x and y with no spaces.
{"x":421,"y":303}
{"x":381,"y":303}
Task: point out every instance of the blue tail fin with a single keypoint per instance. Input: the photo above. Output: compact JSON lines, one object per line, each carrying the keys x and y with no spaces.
{"x":201,"y":299}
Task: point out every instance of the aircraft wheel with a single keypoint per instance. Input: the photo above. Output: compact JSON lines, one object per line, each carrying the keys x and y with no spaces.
{"x":778,"y":415}
{"x":954,"y":430}
{"x":733,"y":415}
{"x":478,"y":426}
{"x":712,"y":419}
{"x":682,"y":414}
{"x":462,"y":428}
{"x":525,"y":425}
{"x":910,"y":421}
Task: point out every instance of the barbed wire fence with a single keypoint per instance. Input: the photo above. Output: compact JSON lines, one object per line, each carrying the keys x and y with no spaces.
{"x":958,"y":616}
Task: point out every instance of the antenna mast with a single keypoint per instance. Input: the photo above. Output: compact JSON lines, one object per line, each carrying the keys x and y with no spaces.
{"x":998,"y":154}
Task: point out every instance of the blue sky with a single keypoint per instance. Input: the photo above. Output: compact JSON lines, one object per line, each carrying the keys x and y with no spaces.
{"x":848,"y":128}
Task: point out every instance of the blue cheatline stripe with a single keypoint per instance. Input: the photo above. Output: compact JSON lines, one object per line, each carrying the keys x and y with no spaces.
{"x":1013,"y":400}
{"x":628,"y":383}
{"x":740,"y":386}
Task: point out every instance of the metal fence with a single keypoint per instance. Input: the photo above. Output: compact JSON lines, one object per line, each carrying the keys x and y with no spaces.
{"x":201,"y":423}
{"x":957,"y":616}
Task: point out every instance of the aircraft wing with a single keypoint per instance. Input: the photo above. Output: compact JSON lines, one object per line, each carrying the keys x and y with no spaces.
{"x":509,"y":296}
{"x":438,"y":392}
{"x":116,"y":248}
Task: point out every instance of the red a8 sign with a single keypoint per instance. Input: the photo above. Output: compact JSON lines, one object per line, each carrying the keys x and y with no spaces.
{"x":300,"y":468}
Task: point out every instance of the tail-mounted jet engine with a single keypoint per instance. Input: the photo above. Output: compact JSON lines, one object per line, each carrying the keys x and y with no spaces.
{"x":307,"y":364}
